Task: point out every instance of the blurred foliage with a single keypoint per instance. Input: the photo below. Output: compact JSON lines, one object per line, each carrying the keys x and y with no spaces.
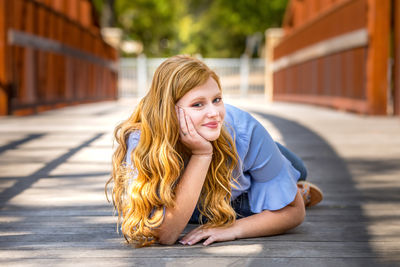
{"x":212,"y":28}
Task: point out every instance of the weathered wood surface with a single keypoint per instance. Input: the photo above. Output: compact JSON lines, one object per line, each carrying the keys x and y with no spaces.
{"x":53,"y":167}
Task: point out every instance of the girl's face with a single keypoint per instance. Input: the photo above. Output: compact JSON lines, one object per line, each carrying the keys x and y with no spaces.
{"x":203,"y":104}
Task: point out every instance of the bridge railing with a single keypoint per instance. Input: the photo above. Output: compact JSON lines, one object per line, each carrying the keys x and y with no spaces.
{"x":337,"y":54}
{"x":52,"y":55}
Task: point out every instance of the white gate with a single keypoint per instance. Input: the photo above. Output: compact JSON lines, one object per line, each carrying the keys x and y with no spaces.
{"x":239,"y":76}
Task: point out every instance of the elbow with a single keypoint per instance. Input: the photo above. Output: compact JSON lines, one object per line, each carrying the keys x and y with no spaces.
{"x":168,"y":233}
{"x":299,"y":215}
{"x":166,"y":238}
{"x":168,"y":241}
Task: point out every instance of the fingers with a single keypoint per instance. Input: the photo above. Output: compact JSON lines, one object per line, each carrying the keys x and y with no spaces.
{"x":189,"y":135}
{"x":209,"y":241}
{"x":194,"y":236}
{"x":182,"y":122}
{"x":177,"y":113}
{"x":187,"y":237}
{"x":185,"y":123}
{"x":190,"y":126}
{"x":197,"y":235}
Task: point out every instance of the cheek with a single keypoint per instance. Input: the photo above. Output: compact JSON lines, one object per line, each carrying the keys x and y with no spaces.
{"x":196,"y":117}
{"x":222,"y":112}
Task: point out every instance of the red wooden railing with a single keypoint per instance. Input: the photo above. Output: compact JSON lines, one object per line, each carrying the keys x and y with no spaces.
{"x":336,"y":53}
{"x":396,"y":54}
{"x":52,"y":55}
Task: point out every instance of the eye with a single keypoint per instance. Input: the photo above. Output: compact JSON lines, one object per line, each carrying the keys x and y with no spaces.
{"x":217,"y":100}
{"x":197,"y":105}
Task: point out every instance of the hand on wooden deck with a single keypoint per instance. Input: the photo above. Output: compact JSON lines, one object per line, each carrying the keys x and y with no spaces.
{"x":210,"y":235}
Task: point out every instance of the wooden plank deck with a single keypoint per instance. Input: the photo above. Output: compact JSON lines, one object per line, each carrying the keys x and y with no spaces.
{"x":53,"y":167}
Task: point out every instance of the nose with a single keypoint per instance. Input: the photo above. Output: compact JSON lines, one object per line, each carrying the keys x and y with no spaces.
{"x":212,"y":111}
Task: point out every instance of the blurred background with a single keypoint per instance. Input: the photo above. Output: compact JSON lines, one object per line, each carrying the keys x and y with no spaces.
{"x":217,"y":29}
{"x":336,"y":53}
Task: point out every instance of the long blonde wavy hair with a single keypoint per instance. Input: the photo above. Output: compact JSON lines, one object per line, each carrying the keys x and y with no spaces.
{"x":141,"y":192}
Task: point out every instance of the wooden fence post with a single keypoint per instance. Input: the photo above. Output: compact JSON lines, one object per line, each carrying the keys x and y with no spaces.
{"x":396,"y":30}
{"x":142,"y":75}
{"x":272,"y":37}
{"x":378,"y":55}
{"x":244,"y":74}
{"x":4,"y":70}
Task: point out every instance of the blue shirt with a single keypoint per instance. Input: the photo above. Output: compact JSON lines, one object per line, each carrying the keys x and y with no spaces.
{"x":267,"y":176}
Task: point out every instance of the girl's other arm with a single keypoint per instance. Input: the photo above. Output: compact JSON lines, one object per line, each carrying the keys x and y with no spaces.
{"x":266,"y":223}
{"x":269,"y":223}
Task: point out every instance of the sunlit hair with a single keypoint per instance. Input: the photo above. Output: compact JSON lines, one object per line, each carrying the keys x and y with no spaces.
{"x":140,"y":192}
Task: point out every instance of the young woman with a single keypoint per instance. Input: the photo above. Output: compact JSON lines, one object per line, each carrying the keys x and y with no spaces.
{"x":184,"y":156}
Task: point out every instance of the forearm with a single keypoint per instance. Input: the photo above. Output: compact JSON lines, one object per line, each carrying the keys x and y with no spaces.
{"x":269,"y":223}
{"x":263,"y":224}
{"x":187,"y":193}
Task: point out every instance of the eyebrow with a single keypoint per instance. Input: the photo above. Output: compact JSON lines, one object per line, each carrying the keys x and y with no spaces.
{"x":202,"y":97}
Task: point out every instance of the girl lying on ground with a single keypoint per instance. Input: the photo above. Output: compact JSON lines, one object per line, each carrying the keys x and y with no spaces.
{"x":185,"y":156}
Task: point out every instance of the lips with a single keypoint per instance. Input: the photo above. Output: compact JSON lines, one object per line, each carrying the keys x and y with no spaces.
{"x":213,"y":124}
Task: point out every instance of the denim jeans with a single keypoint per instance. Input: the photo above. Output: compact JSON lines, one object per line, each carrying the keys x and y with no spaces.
{"x":241,"y":203}
{"x":297,"y":163}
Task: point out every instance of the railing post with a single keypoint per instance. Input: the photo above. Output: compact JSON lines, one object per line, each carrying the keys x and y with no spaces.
{"x":378,"y":54}
{"x":4,"y":59}
{"x":396,"y":30}
{"x":141,"y":75}
{"x":244,"y":75}
{"x":272,"y":38}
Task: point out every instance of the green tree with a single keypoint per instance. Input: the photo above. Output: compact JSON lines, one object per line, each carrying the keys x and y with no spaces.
{"x":212,"y":28}
{"x":221,"y":29}
{"x":153,"y":22}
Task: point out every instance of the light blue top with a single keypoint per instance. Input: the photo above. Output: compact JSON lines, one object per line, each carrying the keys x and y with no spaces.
{"x":267,"y":176}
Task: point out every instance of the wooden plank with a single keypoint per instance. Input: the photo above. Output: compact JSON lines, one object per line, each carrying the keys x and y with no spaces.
{"x":359,"y":85}
{"x":27,"y":80}
{"x":227,"y":249}
{"x":346,"y":73}
{"x":4,"y":58}
{"x":195,"y":261}
{"x":85,"y":13}
{"x":378,"y":56}
{"x":45,"y":44}
{"x":80,"y":231}
{"x":73,"y":9}
{"x":343,"y":17}
{"x":57,"y":5}
{"x":60,"y":59}
{"x":396,"y":31}
{"x":41,"y":54}
{"x":324,"y":48}
{"x":331,"y":101}
{"x":331,"y":80}
{"x":52,"y":57}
